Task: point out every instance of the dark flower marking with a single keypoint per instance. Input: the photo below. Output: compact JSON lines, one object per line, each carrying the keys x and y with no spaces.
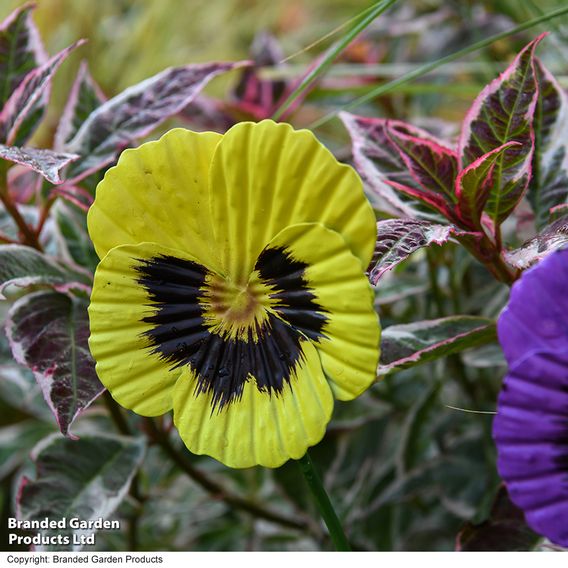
{"x":296,"y":302}
{"x":271,"y":352}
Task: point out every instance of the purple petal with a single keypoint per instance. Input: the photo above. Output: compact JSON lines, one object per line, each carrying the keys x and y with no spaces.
{"x":531,"y":432}
{"x":535,"y":317}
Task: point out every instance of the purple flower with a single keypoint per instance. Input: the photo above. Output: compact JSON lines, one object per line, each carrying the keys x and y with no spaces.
{"x":531,"y":426}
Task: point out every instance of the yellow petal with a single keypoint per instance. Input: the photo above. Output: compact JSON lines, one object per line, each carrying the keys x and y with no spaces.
{"x":126,"y":361}
{"x":158,"y":192}
{"x":331,"y":302}
{"x":259,"y":428}
{"x":267,"y":176}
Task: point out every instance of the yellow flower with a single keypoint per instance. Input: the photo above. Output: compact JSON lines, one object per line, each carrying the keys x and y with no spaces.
{"x":232,"y":288}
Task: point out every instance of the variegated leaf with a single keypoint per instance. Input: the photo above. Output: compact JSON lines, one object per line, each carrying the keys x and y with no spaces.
{"x":48,"y":333}
{"x":382,"y":169}
{"x":86,"y":479}
{"x":504,"y":112}
{"x":24,"y":266}
{"x":432,"y":166}
{"x":407,"y":345}
{"x":397,"y":239}
{"x":553,"y":237}
{"x":85,"y":97}
{"x":21,"y":50}
{"x":549,"y":183}
{"x":473,"y":186}
{"x":45,"y":162}
{"x":135,"y":112}
{"x":23,"y":102}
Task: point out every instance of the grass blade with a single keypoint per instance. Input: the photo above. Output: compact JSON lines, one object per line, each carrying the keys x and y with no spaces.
{"x":331,"y":54}
{"x":427,"y":67}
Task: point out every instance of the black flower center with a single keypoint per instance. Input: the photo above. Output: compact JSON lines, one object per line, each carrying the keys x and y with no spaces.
{"x":230,"y":334}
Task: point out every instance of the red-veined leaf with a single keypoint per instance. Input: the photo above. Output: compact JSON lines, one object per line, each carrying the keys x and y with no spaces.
{"x":473,"y":186}
{"x":432,"y":166}
{"x":501,"y":113}
{"x":253,"y":95}
{"x":388,"y":182}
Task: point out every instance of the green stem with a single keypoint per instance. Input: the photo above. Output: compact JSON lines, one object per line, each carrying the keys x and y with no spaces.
{"x":215,"y":488}
{"x":324,"y":504}
{"x":28,"y":235}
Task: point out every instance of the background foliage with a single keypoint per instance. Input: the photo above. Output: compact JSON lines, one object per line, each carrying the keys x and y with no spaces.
{"x":408,"y":465}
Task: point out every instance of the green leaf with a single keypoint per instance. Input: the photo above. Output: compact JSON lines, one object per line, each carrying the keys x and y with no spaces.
{"x":407,"y":345}
{"x":72,"y":225}
{"x":16,"y":441}
{"x":24,"y":267}
{"x":48,"y":333}
{"x":85,"y":479}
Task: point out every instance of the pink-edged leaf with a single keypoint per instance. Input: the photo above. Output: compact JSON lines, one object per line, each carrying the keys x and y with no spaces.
{"x":558,"y":211}
{"x":85,"y":97}
{"x":553,"y":237}
{"x":434,"y":200}
{"x":21,"y":50}
{"x":45,"y":162}
{"x":24,"y":101}
{"x":383,"y":171}
{"x":501,"y":113}
{"x":74,"y":194}
{"x":473,"y":186}
{"x":84,"y":479}
{"x":254,"y":95}
{"x":432,"y":166}
{"x":48,"y":333}
{"x":407,"y":345}
{"x":23,"y":267}
{"x":548,"y":187}
{"x":137,"y":111}
{"x":397,"y":239}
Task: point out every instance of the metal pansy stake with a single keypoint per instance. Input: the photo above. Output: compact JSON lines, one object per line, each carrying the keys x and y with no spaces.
{"x":231,"y":288}
{"x":531,"y":426}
